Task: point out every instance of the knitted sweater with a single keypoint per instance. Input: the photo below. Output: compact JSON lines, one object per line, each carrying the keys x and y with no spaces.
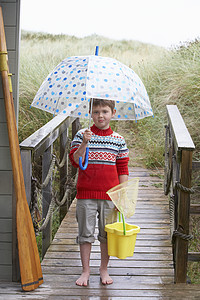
{"x":108,"y":158}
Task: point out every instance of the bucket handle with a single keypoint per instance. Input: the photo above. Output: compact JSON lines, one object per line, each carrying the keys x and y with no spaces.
{"x":123,"y":220}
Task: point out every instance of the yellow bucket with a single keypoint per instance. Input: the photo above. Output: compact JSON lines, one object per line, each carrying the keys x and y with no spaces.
{"x":121,"y":245}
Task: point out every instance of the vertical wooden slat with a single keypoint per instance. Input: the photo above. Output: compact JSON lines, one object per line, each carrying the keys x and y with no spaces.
{"x":27,"y":171}
{"x":63,"y":174}
{"x":75,"y":127}
{"x":183,"y":218}
{"x":46,"y":199}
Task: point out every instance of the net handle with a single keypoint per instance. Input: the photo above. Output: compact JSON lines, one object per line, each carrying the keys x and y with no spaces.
{"x":123,"y":220}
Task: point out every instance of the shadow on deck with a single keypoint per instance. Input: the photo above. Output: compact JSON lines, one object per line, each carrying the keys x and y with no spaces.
{"x":148,"y":274}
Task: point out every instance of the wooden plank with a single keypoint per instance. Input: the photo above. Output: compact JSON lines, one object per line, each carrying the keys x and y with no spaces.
{"x":27,"y":171}
{"x":5,"y":253}
{"x":11,"y":37}
{"x":181,"y":246}
{"x":61,"y":235}
{"x":4,"y":135}
{"x":12,"y":287}
{"x":5,"y":163}
{"x":6,"y":182}
{"x":126,"y":264}
{"x":2,"y":109}
{"x":194,"y":209}
{"x":5,"y":225}
{"x":63,"y":172}
{"x":131,"y":278}
{"x":142,"y":257}
{"x":194,"y":256}
{"x":9,"y":13}
{"x":195,"y":165}
{"x":6,"y":273}
{"x":6,"y":237}
{"x":146,"y":233}
{"x":46,"y":199}
{"x":113,"y":270}
{"x":180,"y":131}
{"x":6,"y":206}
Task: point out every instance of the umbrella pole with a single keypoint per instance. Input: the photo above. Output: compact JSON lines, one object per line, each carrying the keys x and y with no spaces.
{"x":96,"y":53}
{"x":90,"y":117}
{"x":90,"y":112}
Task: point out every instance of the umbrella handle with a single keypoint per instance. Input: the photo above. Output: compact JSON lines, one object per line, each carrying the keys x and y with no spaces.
{"x":86,"y":160}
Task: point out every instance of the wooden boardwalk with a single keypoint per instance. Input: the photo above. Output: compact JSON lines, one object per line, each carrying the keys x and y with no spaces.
{"x":146,"y":275}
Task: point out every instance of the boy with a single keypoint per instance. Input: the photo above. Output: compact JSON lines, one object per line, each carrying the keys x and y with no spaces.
{"x":107,"y":167}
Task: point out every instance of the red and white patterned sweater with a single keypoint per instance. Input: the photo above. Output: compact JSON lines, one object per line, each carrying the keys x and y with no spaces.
{"x":108,"y":158}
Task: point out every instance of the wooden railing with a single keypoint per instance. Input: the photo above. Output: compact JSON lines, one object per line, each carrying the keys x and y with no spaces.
{"x":39,"y":146}
{"x":178,"y":174}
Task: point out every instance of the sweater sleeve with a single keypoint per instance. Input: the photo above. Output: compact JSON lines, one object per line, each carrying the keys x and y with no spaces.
{"x":122,"y":166}
{"x":122,"y":159}
{"x":71,"y":157}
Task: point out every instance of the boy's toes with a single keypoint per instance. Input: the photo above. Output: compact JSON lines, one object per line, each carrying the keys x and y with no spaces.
{"x":83,"y":280}
{"x":105,"y":278}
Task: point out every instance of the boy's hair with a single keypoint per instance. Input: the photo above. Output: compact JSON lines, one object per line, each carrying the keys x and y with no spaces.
{"x":102,"y":102}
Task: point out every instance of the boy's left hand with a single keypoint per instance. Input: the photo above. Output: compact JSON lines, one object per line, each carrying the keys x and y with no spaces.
{"x":87,"y":136}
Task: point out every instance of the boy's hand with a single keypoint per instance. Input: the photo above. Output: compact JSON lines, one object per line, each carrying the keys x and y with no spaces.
{"x":87,"y":136}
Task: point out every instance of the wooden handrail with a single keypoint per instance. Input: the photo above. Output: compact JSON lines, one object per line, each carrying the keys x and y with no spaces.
{"x":182,"y":138}
{"x":179,"y":155}
{"x":41,"y":139}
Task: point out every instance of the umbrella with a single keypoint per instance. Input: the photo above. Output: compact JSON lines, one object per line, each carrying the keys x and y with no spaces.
{"x":77,"y":79}
{"x":70,"y":86}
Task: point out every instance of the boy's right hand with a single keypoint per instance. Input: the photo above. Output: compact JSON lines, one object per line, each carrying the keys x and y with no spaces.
{"x":87,"y":136}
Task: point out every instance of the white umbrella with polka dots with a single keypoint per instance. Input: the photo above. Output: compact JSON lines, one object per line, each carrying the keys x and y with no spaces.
{"x":70,"y":86}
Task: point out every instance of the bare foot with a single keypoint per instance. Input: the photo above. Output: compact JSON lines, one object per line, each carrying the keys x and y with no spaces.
{"x":83,"y":279}
{"x":105,"y":277}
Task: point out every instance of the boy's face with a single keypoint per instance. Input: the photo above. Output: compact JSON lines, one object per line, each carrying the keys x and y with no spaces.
{"x":102,"y":115}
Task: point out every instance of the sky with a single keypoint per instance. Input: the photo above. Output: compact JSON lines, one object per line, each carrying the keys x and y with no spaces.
{"x":160,"y":22}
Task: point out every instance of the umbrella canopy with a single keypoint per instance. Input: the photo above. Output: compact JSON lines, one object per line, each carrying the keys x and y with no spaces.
{"x":70,"y":86}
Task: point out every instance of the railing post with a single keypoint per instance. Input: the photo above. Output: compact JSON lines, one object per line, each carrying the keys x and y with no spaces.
{"x":27,"y":171}
{"x":183,"y":218}
{"x":63,"y":173}
{"x":46,"y":199}
{"x":76,"y":125}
